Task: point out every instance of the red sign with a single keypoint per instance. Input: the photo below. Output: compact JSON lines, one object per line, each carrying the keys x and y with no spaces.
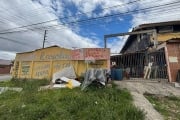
{"x":77,"y":54}
{"x":97,"y":53}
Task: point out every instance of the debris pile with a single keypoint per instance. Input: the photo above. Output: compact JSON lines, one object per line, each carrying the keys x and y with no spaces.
{"x":66,"y":72}
{"x":94,"y":75}
{"x":66,"y":78}
{"x":66,"y":82}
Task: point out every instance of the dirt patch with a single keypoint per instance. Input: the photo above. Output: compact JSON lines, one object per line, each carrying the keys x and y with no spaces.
{"x":138,"y":88}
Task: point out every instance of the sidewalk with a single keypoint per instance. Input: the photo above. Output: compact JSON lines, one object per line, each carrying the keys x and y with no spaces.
{"x":4,"y":77}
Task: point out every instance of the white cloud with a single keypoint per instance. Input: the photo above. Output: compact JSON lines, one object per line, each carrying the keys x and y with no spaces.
{"x":17,"y":13}
{"x":28,"y":12}
{"x":148,"y":16}
{"x":67,"y":38}
{"x":117,"y":44}
{"x":89,"y":6}
{"x":7,"y":55}
{"x":162,"y":13}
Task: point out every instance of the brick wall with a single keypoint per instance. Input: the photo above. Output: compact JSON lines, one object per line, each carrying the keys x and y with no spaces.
{"x":173,"y":52}
{"x":5,"y":69}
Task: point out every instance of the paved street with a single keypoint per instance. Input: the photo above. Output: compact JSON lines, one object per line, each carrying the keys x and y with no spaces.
{"x":5,"y":77}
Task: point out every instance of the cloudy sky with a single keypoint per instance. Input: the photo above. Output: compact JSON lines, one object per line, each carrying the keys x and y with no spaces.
{"x":75,"y":23}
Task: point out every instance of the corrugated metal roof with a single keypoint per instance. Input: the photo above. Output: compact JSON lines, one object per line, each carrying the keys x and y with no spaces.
{"x":5,"y":62}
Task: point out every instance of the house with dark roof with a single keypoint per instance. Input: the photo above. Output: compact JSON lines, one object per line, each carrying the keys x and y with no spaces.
{"x":152,"y":51}
{"x":5,"y":66}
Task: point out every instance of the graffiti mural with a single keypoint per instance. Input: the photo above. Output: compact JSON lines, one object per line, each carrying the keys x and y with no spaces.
{"x":41,"y":70}
{"x":59,"y":65}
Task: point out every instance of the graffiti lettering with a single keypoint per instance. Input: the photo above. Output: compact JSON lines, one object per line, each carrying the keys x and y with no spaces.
{"x":42,"y":73}
{"x":59,"y":66}
{"x":42,"y":70}
{"x":58,"y":56}
{"x":77,"y":54}
{"x":46,"y":66}
{"x":96,"y":53}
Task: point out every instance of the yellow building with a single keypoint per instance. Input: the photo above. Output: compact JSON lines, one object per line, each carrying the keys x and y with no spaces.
{"x":42,"y":63}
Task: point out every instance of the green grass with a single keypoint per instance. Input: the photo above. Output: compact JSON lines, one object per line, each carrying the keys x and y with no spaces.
{"x":168,"y":106}
{"x":66,"y":104}
{"x":24,"y":83}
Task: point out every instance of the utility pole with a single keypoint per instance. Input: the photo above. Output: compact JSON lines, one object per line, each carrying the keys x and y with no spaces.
{"x":45,"y":32}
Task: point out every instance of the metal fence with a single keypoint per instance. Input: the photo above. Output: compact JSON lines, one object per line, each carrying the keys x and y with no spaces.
{"x":148,"y":65}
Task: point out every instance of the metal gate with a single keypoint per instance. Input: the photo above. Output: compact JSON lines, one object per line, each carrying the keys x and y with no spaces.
{"x":149,"y":65}
{"x":158,"y":64}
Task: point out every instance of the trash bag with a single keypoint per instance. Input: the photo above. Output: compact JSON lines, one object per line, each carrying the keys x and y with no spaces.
{"x":92,"y":74}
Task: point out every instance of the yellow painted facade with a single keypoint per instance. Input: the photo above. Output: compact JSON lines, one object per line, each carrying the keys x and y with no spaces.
{"x":161,"y":37}
{"x":42,"y":63}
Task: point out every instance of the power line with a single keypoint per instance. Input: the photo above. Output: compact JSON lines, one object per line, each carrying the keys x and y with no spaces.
{"x":22,"y":18}
{"x":96,"y":24}
{"x":151,"y":18}
{"x":100,"y":17}
{"x":12,"y":40}
{"x":8,"y":10}
{"x":136,"y":17}
{"x":17,"y":42}
{"x":50,"y":21}
{"x":66,"y":23}
{"x":69,"y":16}
{"x":28,"y":15}
{"x":105,"y":8}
